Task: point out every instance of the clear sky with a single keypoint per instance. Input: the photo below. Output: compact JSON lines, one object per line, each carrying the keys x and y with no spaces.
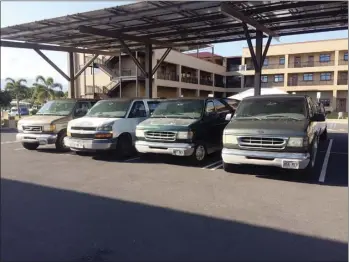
{"x":28,"y":64}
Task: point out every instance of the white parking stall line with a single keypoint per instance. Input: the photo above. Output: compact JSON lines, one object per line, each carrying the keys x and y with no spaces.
{"x":217,"y":167}
{"x":21,"y":148}
{"x":325,"y":163}
{"x":212,"y":164}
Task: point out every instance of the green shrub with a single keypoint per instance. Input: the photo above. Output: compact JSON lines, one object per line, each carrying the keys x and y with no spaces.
{"x":34,"y":111}
{"x":334,"y":115}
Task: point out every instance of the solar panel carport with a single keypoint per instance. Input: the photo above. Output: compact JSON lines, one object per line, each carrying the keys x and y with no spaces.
{"x":169,"y":24}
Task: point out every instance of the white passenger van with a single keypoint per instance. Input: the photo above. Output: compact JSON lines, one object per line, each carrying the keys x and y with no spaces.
{"x":109,"y":126}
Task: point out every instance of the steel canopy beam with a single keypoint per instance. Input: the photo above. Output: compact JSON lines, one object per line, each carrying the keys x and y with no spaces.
{"x":85,"y":66}
{"x":163,"y":57}
{"x":229,"y":11}
{"x":53,"y":48}
{"x":52,"y":64}
{"x":118,"y":35}
{"x":266,"y":48}
{"x":135,"y":60}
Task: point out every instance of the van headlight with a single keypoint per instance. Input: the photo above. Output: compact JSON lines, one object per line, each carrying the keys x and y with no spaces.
{"x":185,"y":135}
{"x":139,"y":133}
{"x":297,"y":142}
{"x":230,"y":139}
{"x":49,"y":128}
{"x":105,"y":128}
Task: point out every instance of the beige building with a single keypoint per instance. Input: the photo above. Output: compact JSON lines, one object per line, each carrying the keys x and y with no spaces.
{"x":180,"y":74}
{"x":305,"y":68}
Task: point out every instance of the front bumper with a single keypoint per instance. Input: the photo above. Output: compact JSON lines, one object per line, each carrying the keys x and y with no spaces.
{"x":178,"y":149}
{"x":78,"y":144}
{"x":276,"y":159}
{"x":41,"y":139}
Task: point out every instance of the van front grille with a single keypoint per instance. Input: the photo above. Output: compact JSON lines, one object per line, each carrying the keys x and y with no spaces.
{"x":32,"y":129}
{"x":77,"y":135}
{"x":160,"y":136}
{"x":262,"y":142}
{"x":85,"y":128}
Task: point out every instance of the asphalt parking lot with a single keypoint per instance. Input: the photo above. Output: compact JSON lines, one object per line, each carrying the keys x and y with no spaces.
{"x":65,"y":207}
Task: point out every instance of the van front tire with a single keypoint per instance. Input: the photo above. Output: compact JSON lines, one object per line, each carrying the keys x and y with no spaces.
{"x":30,"y":146}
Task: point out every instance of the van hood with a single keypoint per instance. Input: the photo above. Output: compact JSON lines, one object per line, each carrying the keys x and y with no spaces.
{"x":154,"y":122}
{"x":42,"y":120}
{"x":91,"y":121}
{"x":279,"y":127}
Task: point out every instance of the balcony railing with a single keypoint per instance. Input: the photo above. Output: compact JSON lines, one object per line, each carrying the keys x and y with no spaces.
{"x":265,"y":84}
{"x":343,"y":62}
{"x":342,"y":82}
{"x":269,"y":66}
{"x":206,"y":82}
{"x":310,"y":83}
{"x":128,"y":72}
{"x":233,"y":68}
{"x":190,"y":79}
{"x":310,"y":64}
{"x":168,"y":76}
{"x":219,"y":84}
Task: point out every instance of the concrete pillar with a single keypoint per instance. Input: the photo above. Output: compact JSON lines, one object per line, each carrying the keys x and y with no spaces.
{"x":213,"y":79}
{"x":179,"y":92}
{"x":286,"y":61}
{"x":180,"y":72}
{"x":334,"y":100}
{"x":336,"y":57}
{"x":335,"y":77}
{"x":242,"y":81}
{"x":198,"y":92}
{"x":199,"y":77}
{"x":285,"y":79}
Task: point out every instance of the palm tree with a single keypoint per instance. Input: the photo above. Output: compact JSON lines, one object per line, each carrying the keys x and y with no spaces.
{"x":18,"y":89}
{"x":45,"y":88}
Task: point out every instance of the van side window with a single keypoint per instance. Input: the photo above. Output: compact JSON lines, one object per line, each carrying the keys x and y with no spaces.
{"x":81,"y":108}
{"x":209,"y":107}
{"x":310,"y":107}
{"x":152,"y":105}
{"x":221,"y":108}
{"x":138,"y":110}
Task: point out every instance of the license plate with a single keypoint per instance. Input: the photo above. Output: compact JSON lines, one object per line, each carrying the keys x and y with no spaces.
{"x":42,"y":141}
{"x":78,"y":145}
{"x":178,"y":152}
{"x":290,"y":164}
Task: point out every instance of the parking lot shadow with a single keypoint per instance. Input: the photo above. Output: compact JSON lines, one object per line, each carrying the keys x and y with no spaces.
{"x":6,"y":130}
{"x":41,"y":223}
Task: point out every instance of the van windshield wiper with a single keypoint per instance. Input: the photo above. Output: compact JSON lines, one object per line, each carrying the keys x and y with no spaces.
{"x":283,"y":116}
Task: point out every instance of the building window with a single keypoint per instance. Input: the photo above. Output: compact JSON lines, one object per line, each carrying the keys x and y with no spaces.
{"x":281,"y":60}
{"x":264,"y":79}
{"x":346,"y":56}
{"x":307,"y":77}
{"x":278,"y":78}
{"x":325,"y":58}
{"x":325,"y":76}
{"x":266,"y":61}
{"x":325,"y":102}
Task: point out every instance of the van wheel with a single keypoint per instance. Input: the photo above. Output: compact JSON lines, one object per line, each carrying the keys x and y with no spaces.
{"x":199,"y":155}
{"x":124,"y":147}
{"x":227,"y":167}
{"x":60,"y":146}
{"x":324,"y":135}
{"x":30,"y":146}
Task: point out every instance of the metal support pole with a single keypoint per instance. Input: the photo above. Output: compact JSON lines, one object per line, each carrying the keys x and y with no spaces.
{"x":136,"y":75}
{"x":258,"y":69}
{"x":148,"y":70}
{"x":71,"y":75}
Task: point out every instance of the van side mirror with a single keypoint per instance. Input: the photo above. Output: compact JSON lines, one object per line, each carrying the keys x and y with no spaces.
{"x":318,"y":118}
{"x":228,"y":117}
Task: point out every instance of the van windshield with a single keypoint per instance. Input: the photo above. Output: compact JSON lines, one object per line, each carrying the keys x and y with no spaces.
{"x":109,"y":109}
{"x":272,"y":108}
{"x":57,"y":108}
{"x":179,"y":109}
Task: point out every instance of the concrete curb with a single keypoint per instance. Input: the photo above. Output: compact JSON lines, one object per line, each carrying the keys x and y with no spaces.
{"x":339,"y":121}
